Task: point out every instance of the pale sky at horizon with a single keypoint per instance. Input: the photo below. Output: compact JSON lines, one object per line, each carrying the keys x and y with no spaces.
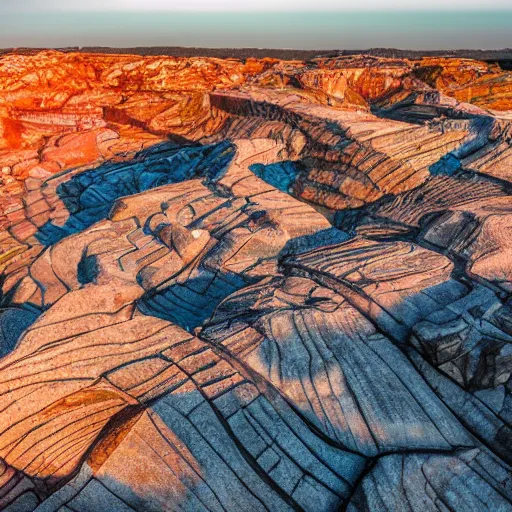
{"x":299,"y":24}
{"x":252,"y":5}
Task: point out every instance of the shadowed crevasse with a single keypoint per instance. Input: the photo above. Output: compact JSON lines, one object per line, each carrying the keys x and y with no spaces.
{"x":89,"y":196}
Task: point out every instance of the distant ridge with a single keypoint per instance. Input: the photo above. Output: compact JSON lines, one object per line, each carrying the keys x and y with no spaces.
{"x":502,"y":56}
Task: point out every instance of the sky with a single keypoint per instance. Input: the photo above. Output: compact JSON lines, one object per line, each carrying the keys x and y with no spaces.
{"x":300,"y":24}
{"x":254,"y":5}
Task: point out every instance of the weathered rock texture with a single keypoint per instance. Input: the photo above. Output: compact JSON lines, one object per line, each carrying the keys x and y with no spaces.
{"x":258,"y":285}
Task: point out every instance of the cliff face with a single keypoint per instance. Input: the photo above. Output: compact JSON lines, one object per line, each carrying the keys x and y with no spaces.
{"x":258,"y":285}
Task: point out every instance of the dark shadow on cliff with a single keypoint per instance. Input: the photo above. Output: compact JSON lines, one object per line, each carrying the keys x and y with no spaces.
{"x":14,"y":321}
{"x":89,"y":195}
{"x":190,"y":303}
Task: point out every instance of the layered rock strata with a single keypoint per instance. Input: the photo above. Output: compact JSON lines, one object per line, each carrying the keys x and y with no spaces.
{"x":259,"y":285}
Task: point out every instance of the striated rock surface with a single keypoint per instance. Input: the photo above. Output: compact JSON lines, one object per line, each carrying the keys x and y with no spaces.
{"x":252,"y":285}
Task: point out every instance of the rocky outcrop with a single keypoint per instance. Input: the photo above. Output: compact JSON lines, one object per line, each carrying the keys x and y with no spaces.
{"x":484,"y":85}
{"x":397,"y":481}
{"x":353,"y":157}
{"x":257,"y":285}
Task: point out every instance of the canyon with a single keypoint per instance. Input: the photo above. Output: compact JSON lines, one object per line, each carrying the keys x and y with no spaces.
{"x":241,"y":284}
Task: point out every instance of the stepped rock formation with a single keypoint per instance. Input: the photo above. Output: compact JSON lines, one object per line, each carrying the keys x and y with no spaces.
{"x":250,"y":285}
